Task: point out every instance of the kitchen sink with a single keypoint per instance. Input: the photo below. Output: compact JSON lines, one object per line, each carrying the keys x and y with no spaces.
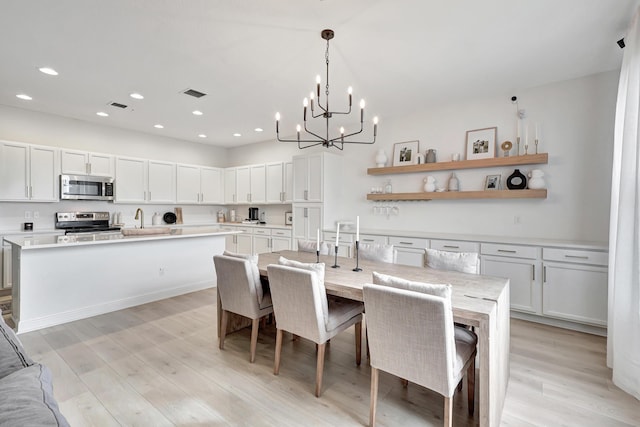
{"x":145,"y":231}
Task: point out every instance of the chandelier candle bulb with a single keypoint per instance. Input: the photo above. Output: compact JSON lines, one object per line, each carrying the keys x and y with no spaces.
{"x":298,"y":131}
{"x":318,"y":85}
{"x":350,"y":91}
{"x":361,"y":110}
{"x":277,"y":122}
{"x":311,"y":100}
{"x":375,"y":126}
{"x":305,"y":103}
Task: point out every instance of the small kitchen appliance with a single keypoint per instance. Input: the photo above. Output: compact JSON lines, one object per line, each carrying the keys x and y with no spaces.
{"x":253,"y":214}
{"x":86,"y":187}
{"x":84,"y":222}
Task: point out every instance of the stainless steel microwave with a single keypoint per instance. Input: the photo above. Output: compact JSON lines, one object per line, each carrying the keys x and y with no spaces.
{"x":86,"y":187}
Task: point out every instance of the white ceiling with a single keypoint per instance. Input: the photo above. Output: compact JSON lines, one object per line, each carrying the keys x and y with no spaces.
{"x":256,"y":57}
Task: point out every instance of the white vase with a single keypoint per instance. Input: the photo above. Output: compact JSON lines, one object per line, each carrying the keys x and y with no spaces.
{"x":454,"y":185}
{"x":381,"y":159}
{"x":429,"y":184}
{"x":536,"y":180}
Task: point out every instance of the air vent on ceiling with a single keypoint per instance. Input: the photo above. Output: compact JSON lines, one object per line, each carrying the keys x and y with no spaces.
{"x":117,"y":104}
{"x":194,"y":93}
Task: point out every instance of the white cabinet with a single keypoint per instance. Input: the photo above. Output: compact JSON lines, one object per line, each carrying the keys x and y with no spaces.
{"x":308,"y":178}
{"x":279,"y":182}
{"x":261,"y":240}
{"x":250,"y":184}
{"x":243,"y":184}
{"x":28,"y":172}
{"x":199,"y":185}
{"x":230,"y":195}
{"x":144,"y":181}
{"x":345,"y":243}
{"x":75,"y":162}
{"x":521,"y":265}
{"x":455,"y":246}
{"x":307,"y":219}
{"x":280,"y":240}
{"x":410,"y":250}
{"x":575,"y":285}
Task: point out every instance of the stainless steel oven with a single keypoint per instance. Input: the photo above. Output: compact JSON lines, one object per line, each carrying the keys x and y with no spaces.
{"x":86,"y":187}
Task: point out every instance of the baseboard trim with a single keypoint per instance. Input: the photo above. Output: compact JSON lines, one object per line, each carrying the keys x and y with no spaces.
{"x":580,"y":327}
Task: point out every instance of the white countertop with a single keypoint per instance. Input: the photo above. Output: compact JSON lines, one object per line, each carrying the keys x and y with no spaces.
{"x":41,"y":241}
{"x":242,"y":224}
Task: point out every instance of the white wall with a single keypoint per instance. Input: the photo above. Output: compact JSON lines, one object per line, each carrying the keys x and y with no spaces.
{"x":576,"y":126}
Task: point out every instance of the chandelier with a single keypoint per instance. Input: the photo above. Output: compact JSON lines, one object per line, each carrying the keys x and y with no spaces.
{"x":311,"y":138}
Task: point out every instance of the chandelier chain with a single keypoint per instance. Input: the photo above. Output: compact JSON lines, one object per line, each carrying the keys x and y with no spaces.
{"x":326,"y":57}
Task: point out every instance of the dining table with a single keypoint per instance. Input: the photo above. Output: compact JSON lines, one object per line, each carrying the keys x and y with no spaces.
{"x":476,"y":300}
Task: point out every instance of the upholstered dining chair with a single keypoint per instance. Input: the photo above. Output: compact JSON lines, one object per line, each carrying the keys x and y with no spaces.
{"x":241,"y":293}
{"x":412,"y":335}
{"x":311,"y":246}
{"x":301,"y":307}
{"x":464,"y":262}
{"x":377,"y":252}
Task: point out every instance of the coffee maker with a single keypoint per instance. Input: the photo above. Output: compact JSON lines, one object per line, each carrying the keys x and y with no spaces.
{"x":253,"y":214}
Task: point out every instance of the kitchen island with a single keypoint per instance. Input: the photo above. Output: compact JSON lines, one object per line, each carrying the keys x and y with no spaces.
{"x":58,"y":278}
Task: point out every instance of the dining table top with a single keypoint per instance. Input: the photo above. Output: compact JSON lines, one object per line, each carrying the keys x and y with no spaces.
{"x":473,"y":296}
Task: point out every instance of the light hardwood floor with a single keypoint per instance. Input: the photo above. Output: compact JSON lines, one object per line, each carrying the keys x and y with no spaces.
{"x":159,"y":364}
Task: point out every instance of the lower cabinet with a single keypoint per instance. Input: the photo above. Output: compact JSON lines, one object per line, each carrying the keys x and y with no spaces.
{"x":409,"y":250}
{"x":261,"y":240}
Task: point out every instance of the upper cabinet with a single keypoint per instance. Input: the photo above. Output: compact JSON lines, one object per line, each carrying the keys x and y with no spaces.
{"x":230,"y":195}
{"x":28,"y":172}
{"x":250,"y":186}
{"x":75,"y":162}
{"x":161,"y":182}
{"x":199,"y":185}
{"x":279,"y":181}
{"x":145,"y":181}
{"x":308,"y":178}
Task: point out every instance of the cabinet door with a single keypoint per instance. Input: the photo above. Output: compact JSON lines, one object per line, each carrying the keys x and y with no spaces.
{"x":261,"y":244}
{"x":274,"y":175}
{"x":575,"y":292}
{"x":244,"y":243}
{"x":230,"y":243}
{"x":74,"y":162}
{"x":100,"y":164}
{"x":524,"y":281}
{"x":315,"y":178}
{"x":162,"y":182}
{"x":43,"y":171}
{"x":14,"y":171}
{"x":211,"y":185}
{"x":258,"y":186}
{"x":131,"y":185}
{"x":287,"y":186}
{"x":280,"y":244}
{"x":408,"y":256}
{"x":230,"y":185}
{"x":300,"y":174}
{"x":188,"y":184}
{"x":243,"y":184}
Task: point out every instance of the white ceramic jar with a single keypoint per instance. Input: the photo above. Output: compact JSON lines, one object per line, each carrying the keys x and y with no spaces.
{"x":536,"y":180}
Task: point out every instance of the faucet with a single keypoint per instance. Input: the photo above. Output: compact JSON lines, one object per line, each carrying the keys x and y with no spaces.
{"x":140,"y":216}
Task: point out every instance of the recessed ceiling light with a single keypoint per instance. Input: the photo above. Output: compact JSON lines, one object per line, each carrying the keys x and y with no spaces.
{"x":24,"y":96}
{"x":237,"y":134}
{"x":102,"y":114}
{"x":197,"y":113}
{"x":136,"y":95}
{"x":202,"y":135}
{"x":48,"y":70}
{"x":258,"y":129}
{"x":158,"y":126}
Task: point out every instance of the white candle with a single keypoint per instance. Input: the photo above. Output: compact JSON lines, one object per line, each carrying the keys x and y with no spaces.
{"x":517,"y":128}
{"x":526,"y":135}
{"x":357,"y":228}
{"x":318,"y":240}
{"x":337,"y":234}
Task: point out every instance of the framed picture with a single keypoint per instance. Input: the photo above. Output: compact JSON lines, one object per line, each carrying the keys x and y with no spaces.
{"x":492,"y":182}
{"x":405,"y":153}
{"x":481,"y":143}
{"x":288,"y":218}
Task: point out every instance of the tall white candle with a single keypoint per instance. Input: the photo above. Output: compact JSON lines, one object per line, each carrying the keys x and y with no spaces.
{"x":357,"y":228}
{"x":318,"y":240}
{"x":517,"y":127}
{"x":337,"y":234}
{"x":526,"y":135}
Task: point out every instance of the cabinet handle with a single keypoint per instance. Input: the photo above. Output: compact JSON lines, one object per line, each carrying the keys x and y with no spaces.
{"x":248,"y":197}
{"x":407,"y":243}
{"x":89,"y":167}
{"x":506,"y":251}
{"x":144,"y":195}
{"x":576,"y":257}
{"x":149,"y":195}
{"x":451,"y":246}
{"x":533,"y":270}
{"x":306,"y":194}
{"x":305,"y":213}
{"x":366,"y":240}
{"x":26,"y":191}
{"x":544,"y":274}
{"x":234,"y":198}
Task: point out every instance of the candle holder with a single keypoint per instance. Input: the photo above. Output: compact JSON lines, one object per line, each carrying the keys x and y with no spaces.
{"x":335,"y":265}
{"x":517,"y":146}
{"x":536,"y":142}
{"x":317,"y":257}
{"x":357,"y":256}
{"x":526,"y":149}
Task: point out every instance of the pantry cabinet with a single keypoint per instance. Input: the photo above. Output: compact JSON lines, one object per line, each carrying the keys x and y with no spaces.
{"x":28,"y":172}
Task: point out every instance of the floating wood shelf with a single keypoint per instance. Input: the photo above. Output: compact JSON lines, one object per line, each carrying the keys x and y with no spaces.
{"x":457,"y":195}
{"x":528,"y":159}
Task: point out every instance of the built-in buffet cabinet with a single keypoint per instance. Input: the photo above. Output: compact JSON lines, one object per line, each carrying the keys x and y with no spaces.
{"x":257,"y":239}
{"x":28,"y":172}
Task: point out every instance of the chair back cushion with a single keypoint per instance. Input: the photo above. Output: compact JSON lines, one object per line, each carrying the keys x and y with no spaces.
{"x":411,"y":335}
{"x":255,"y":271}
{"x":299,"y":301}
{"x":236,"y":285}
{"x":464,"y":262}
{"x":439,"y":290}
{"x":311,"y":246}
{"x":377,"y":252}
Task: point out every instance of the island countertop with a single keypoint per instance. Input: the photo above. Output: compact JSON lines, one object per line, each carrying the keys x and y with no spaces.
{"x":42,"y":241}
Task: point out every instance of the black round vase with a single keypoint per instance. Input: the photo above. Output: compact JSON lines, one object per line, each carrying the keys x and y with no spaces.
{"x":516,"y":181}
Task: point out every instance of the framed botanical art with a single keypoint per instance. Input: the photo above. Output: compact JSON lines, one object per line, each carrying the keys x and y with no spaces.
{"x":481,"y":143}
{"x":405,"y":153}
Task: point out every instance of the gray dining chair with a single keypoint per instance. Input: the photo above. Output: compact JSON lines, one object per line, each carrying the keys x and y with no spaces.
{"x":412,"y":335}
{"x":241,"y":293}
{"x":301,"y":307}
{"x":464,"y":262}
{"x":377,"y":252}
{"x":311,"y":246}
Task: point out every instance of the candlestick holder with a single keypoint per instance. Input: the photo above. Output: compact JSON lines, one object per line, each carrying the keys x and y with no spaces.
{"x":357,"y":256}
{"x":335,"y":265}
{"x":317,"y":257}
{"x":526,"y":149}
{"x":517,"y":146}
{"x":536,"y":142}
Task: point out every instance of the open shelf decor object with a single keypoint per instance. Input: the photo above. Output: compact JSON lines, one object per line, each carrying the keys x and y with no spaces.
{"x":481,"y":143}
{"x":405,"y":153}
{"x":459,"y":195}
{"x":312,"y":138}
